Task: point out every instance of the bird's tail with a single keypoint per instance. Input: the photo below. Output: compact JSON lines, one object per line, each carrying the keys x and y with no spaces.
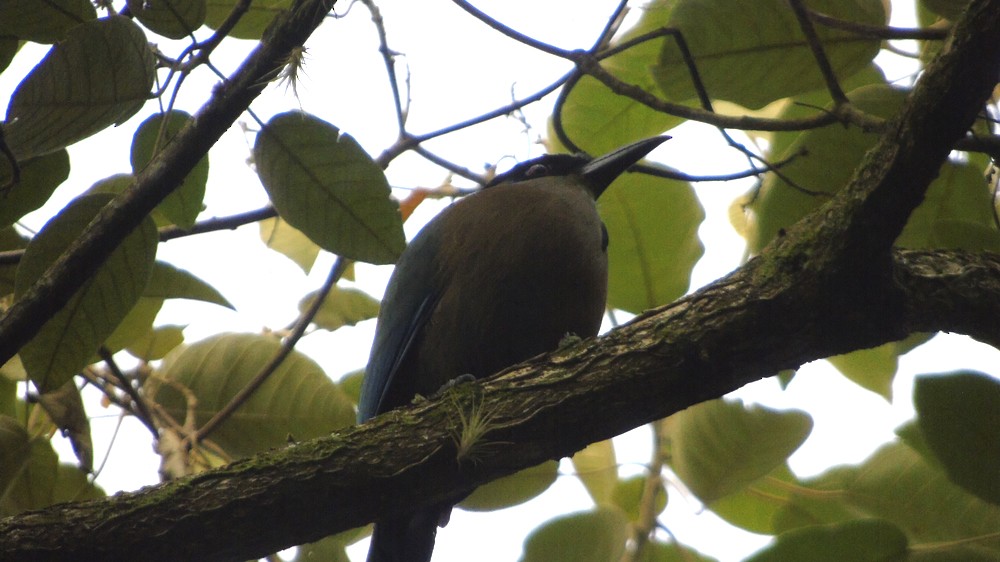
{"x":406,"y":539}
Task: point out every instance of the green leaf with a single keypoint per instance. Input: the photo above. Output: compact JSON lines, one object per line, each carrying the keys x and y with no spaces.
{"x":8,"y":48}
{"x":897,"y":485}
{"x":66,"y":343}
{"x":156,"y":343}
{"x":597,"y":468}
{"x":867,"y":540}
{"x":15,"y":451}
{"x":753,"y":508}
{"x":10,"y":240}
{"x":99,"y":76}
{"x":43,"y":22}
{"x":959,"y":416}
{"x":324,"y":184}
{"x":39,"y":178}
{"x":253,"y":23}
{"x":957,"y":213}
{"x":297,"y":401}
{"x":911,"y":434}
{"x":828,"y":157}
{"x":43,"y":482}
{"x":948,"y":9}
{"x":331,"y":549}
{"x":137,"y":322}
{"x":512,"y":490}
{"x":289,"y":241}
{"x":874,"y":369}
{"x":341,"y":307}
{"x":175,"y":19}
{"x":351,"y":385}
{"x":598,"y":120}
{"x":753,"y":53}
{"x":653,"y":240}
{"x":64,"y":406}
{"x":170,"y":282}
{"x":154,"y":134}
{"x":720,"y":447}
{"x":591,"y":536}
{"x":655,"y":551}
{"x":112,"y":185}
{"x":628,"y":496}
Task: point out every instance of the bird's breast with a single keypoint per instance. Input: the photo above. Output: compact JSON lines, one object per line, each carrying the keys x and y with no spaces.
{"x":539,"y":272}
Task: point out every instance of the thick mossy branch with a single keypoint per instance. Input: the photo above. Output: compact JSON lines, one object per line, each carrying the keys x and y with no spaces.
{"x":829,"y":286}
{"x":700,"y":347}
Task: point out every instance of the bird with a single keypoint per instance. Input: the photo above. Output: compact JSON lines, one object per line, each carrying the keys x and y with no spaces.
{"x":497,"y":277}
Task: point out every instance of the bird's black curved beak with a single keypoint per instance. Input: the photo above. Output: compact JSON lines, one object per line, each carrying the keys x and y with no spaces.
{"x":601,"y":171}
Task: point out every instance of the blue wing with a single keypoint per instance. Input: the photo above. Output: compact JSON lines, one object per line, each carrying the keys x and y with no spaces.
{"x":409,"y":300}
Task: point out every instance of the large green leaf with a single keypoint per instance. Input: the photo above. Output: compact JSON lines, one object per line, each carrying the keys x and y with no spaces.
{"x":43,"y":22}
{"x":959,"y":416}
{"x":39,"y":178}
{"x":68,"y":341}
{"x":154,"y":134}
{"x":324,"y":184}
{"x":653,"y":240}
{"x":866,"y":540}
{"x":253,"y":23}
{"x":175,"y":19}
{"x":753,"y":53}
{"x":591,"y":536}
{"x":297,"y":401}
{"x":897,"y":485}
{"x":99,"y":76}
{"x":513,"y":489}
{"x":719,"y":447}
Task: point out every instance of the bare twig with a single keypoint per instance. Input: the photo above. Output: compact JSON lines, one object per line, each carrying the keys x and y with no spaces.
{"x":877,"y":31}
{"x":141,"y":410}
{"x":816,"y":46}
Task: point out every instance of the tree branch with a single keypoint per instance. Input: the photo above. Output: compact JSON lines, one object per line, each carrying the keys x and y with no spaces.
{"x":697,"y":348}
{"x":163,"y":174}
{"x":805,"y":297}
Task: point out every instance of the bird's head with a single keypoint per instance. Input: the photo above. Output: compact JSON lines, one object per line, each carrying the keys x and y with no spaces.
{"x":595,"y":173}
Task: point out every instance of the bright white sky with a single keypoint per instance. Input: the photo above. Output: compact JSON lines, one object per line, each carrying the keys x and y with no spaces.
{"x":460,"y":69}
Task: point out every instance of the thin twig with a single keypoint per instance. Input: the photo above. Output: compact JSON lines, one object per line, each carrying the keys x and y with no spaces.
{"x":142,"y":412}
{"x":389,"y":59}
{"x":878,"y":31}
{"x":816,"y":46}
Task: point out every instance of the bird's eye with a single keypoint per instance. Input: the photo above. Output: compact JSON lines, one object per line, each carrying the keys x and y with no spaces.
{"x":537,"y":170}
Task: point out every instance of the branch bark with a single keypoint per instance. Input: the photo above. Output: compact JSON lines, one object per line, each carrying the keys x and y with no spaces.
{"x":828,"y":286}
{"x":700,"y":347}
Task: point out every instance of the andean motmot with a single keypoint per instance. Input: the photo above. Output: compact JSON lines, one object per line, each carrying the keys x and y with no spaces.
{"x":498,"y":277}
